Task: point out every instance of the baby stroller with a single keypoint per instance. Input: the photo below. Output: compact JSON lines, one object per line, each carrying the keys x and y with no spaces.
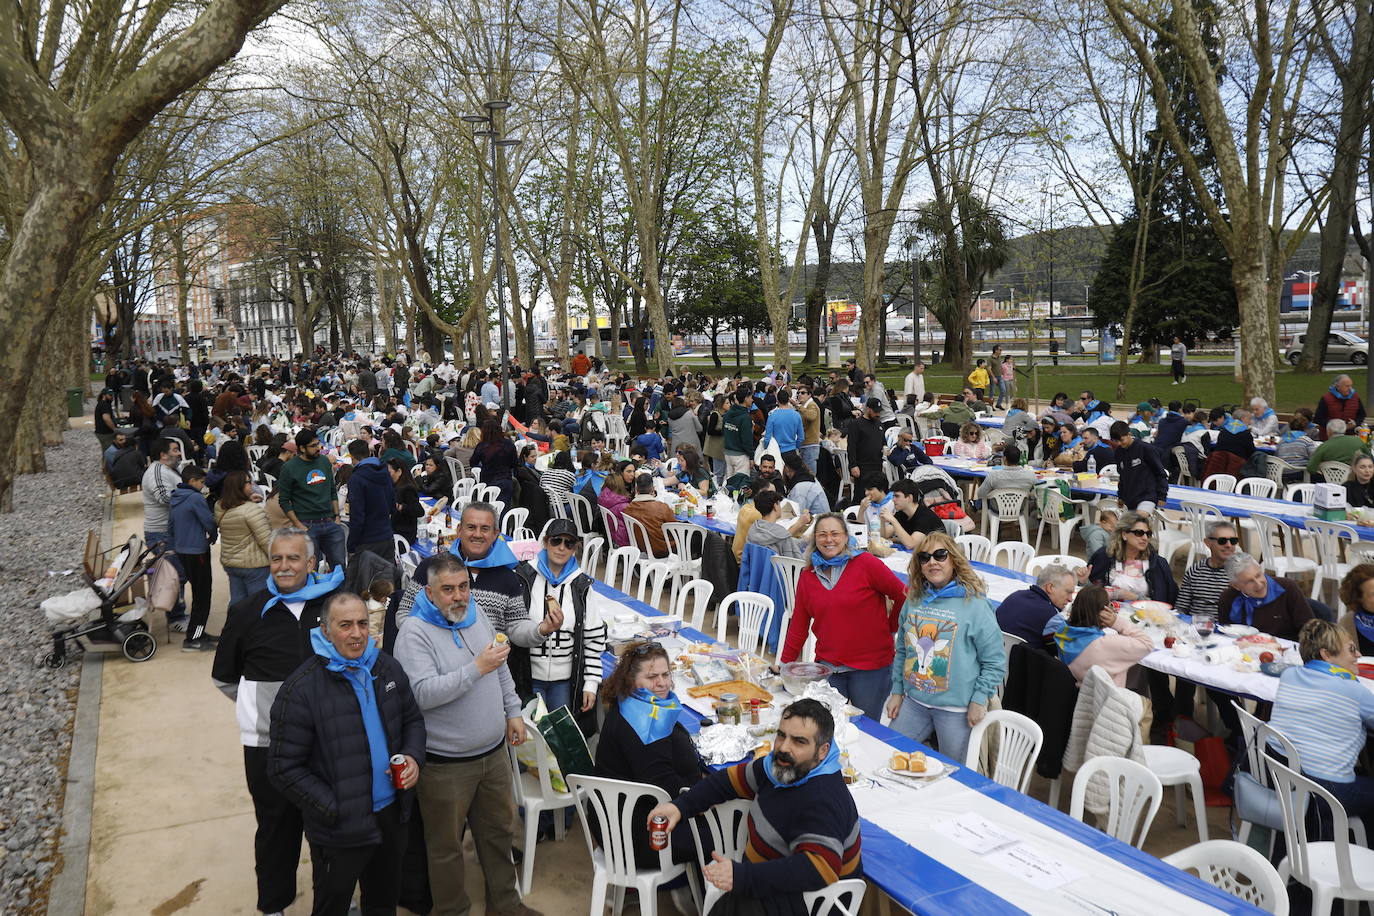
{"x":89,"y":613}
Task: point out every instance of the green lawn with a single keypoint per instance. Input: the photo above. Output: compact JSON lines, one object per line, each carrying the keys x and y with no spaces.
{"x":1209,"y":385}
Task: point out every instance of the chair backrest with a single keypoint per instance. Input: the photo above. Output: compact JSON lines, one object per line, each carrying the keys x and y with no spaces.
{"x":685,"y":540}
{"x":840,"y":898}
{"x":1019,"y":741}
{"x":1012,"y":555}
{"x":582,"y":514}
{"x":463,"y":488}
{"x":621,"y":561}
{"x":546,"y":763}
{"x":1295,"y":793}
{"x":513,"y":519}
{"x":1135,"y":794}
{"x":1237,"y":869}
{"x":402,"y":546}
{"x":592,"y":545}
{"x":486,"y":493}
{"x":456,"y":471}
{"x":638,"y":535}
{"x":692,"y":599}
{"x":1257,"y":486}
{"x":653,"y":576}
{"x":1198,"y":514}
{"x":1305,"y":493}
{"x":608,"y":520}
{"x":1275,"y":468}
{"x":1007,"y":504}
{"x":613,"y":802}
{"x":1223,"y":483}
{"x":1072,"y":564}
{"x":722,"y":828}
{"x":1334,"y":471}
{"x":1267,"y":529}
{"x":755,"y":610}
{"x":1328,"y":537}
{"x":1181,"y":459}
{"x":975,"y":547}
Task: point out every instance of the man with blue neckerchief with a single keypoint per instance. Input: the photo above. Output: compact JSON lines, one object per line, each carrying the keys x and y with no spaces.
{"x":1324,"y":710}
{"x":336,"y":723}
{"x":803,"y":825}
{"x":266,"y":636}
{"x":450,"y":650}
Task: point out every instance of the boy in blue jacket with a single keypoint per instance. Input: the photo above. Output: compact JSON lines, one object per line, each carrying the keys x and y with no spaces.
{"x":193,"y":531}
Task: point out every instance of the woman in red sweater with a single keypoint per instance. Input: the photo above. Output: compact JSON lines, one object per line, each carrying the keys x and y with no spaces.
{"x":850,"y":600}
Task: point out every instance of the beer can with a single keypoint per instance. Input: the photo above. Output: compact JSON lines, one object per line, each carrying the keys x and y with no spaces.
{"x":398,"y":765}
{"x":658,"y":832}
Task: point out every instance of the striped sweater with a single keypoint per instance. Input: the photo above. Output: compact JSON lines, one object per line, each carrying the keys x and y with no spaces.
{"x":1325,"y":717}
{"x":553,"y":660}
{"x":801,"y":838}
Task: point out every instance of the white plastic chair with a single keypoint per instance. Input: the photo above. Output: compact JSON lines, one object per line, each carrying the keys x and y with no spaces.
{"x":638,"y":536}
{"x":653,"y":576}
{"x":695,"y":595}
{"x":1288,"y":563}
{"x":1334,"y":471}
{"x":609,"y":522}
{"x":1018,"y":744}
{"x":1176,"y":767}
{"x":842,"y":898}
{"x":486,"y":493}
{"x":755,"y":610}
{"x":1237,"y":869}
{"x":535,"y":793}
{"x":592,"y":545}
{"x":1197,"y":517}
{"x":613,"y":802}
{"x":1305,"y":493}
{"x":513,"y":519}
{"x":1051,"y":516}
{"x":1185,"y":474}
{"x":1012,"y":555}
{"x":1262,"y":487}
{"x":1329,"y":868}
{"x":402,"y":547}
{"x":1255,"y":733}
{"x":789,"y":570}
{"x":1002,"y":507}
{"x":1135,"y":796}
{"x":1072,"y":564}
{"x":580,"y":511}
{"x":1222,"y":483}
{"x":686,"y":546}
{"x":1326,"y":540}
{"x":725,"y":829}
{"x":976,"y":548}
{"x":621,"y":561}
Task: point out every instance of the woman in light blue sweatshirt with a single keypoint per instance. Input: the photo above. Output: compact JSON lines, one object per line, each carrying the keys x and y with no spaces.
{"x":949,"y":659}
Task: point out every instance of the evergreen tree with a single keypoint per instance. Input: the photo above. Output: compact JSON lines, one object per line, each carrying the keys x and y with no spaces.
{"x":1187,"y":288}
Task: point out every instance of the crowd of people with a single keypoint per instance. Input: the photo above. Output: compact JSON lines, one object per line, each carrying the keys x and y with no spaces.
{"x":307,"y":472}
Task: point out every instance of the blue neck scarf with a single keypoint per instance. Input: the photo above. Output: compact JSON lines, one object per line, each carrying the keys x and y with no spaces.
{"x":1326,"y":667}
{"x":650,"y":717}
{"x":1073,"y":640}
{"x":1342,"y":397}
{"x":499,"y":555}
{"x":1013,"y":412}
{"x":886,"y":499}
{"x":596,"y":478}
{"x":951,"y":589}
{"x":426,"y":611}
{"x":831,"y":764}
{"x":1194,"y":427}
{"x":336,"y":662}
{"x":570,"y":569}
{"x":1232,"y":425}
{"x":1269,"y":412}
{"x":1293,"y":435}
{"x":314,"y":587}
{"x":1077,"y":441}
{"x":839,"y":559}
{"x":1243,"y":607}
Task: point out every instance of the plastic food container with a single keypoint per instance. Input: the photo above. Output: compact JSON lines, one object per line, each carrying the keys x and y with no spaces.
{"x":796,"y":675}
{"x":934,"y":446}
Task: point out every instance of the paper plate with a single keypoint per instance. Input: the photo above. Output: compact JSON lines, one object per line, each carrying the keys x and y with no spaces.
{"x":1237,"y":630}
{"x":933,"y":768}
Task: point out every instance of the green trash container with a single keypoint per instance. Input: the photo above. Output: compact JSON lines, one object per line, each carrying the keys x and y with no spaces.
{"x":75,"y":399}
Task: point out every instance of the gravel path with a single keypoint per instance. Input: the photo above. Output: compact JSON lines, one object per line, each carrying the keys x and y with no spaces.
{"x":47,"y":531}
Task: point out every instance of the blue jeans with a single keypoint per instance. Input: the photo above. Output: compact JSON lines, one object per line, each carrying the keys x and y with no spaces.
{"x":329,"y":540}
{"x":556,"y":694}
{"x":950,"y":726}
{"x":154,"y":538}
{"x":809,"y":454}
{"x":245,"y":581}
{"x":1356,"y":797}
{"x":865,"y":689}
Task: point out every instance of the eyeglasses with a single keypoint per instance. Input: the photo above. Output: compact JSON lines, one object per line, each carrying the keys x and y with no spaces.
{"x":563,"y":540}
{"x":1141,"y":532}
{"x":645,"y":648}
{"x":939,"y":556}
{"x":1224,"y":541}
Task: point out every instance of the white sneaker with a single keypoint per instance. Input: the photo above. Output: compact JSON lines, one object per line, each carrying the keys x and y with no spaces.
{"x":1184,"y":380}
{"x":1174,"y":382}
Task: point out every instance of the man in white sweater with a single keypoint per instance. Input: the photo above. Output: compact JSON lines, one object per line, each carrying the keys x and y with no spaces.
{"x":458,"y":673}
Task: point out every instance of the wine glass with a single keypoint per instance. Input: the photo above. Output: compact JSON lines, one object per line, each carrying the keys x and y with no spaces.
{"x":1204,"y":624}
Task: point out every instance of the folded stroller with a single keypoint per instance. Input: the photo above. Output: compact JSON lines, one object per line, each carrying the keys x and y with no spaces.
{"x":88,"y":614}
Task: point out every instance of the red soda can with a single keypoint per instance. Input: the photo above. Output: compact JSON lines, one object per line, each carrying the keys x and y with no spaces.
{"x":398,"y":765}
{"x":658,"y":832}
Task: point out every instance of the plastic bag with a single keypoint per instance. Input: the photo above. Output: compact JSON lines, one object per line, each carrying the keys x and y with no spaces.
{"x":768,"y":447}
{"x":526,"y":753}
{"x":73,"y":607}
{"x":566,"y":741}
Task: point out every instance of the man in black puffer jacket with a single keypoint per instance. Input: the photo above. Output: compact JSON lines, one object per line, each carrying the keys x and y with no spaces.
{"x":336,"y":723}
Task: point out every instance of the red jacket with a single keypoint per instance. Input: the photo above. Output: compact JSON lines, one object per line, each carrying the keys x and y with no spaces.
{"x":854,"y":621}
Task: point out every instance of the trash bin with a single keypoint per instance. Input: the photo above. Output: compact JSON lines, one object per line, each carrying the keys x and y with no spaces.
{"x":75,"y":399}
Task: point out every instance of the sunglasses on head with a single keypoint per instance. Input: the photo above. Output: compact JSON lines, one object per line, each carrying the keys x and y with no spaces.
{"x":645,"y":648}
{"x":1225,"y":541}
{"x":1141,"y":532}
{"x":562,"y":540}
{"x":938,"y":556}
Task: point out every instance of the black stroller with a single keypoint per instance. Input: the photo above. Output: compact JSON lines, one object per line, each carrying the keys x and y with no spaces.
{"x":89,"y":613}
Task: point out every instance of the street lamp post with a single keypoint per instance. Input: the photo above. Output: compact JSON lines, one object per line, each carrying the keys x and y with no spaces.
{"x":497,"y":141}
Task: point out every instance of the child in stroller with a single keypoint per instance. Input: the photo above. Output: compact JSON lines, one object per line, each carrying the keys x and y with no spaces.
{"x":89,"y":612}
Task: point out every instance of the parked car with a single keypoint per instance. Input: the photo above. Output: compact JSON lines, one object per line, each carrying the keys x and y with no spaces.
{"x":1341,"y":347}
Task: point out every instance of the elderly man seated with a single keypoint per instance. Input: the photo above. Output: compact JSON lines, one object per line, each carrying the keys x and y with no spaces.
{"x":1341,"y":445}
{"x":1263,"y":420}
{"x":1034,"y":614}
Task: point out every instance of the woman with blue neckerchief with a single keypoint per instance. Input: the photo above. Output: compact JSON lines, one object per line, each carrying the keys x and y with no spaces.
{"x":565,"y":669}
{"x":643,"y":741}
{"x":1324,"y":710}
{"x":949,"y":660}
{"x":848,"y":599}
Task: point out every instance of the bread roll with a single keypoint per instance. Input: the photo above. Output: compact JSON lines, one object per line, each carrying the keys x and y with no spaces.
{"x":899,"y":761}
{"x":916,"y":762}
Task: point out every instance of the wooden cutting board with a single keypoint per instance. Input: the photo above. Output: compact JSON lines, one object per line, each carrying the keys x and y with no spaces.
{"x":742,"y":689}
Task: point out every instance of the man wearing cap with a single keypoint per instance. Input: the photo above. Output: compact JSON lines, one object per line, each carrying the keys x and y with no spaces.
{"x":1143,"y":423}
{"x":866,"y":441}
{"x":308,"y":496}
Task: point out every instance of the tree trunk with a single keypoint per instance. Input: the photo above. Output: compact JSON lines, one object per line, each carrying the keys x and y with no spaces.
{"x":823,"y":228}
{"x":1257,"y":353}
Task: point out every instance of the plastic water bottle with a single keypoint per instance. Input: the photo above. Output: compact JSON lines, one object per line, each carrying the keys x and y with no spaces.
{"x":1092,"y":464}
{"x":875,"y":528}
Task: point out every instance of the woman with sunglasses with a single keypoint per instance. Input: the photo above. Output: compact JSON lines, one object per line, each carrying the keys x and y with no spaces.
{"x":1095,"y":634}
{"x":849,"y":599}
{"x":949,"y":659}
{"x":565,"y":669}
{"x":971,"y":443}
{"x":1130,"y":567}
